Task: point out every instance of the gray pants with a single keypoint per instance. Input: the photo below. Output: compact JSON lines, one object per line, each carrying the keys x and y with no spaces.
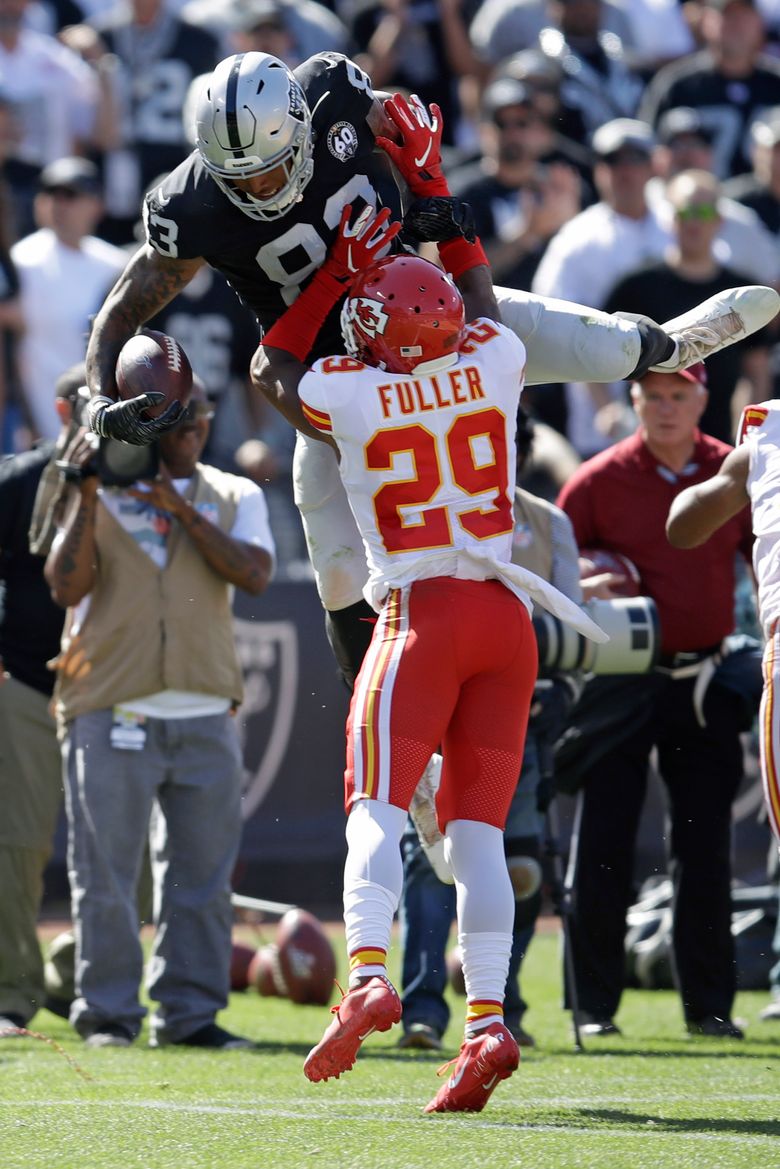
{"x":184,"y":788}
{"x":30,"y":796}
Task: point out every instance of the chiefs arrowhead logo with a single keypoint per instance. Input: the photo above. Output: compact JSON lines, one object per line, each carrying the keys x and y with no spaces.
{"x":369,"y":315}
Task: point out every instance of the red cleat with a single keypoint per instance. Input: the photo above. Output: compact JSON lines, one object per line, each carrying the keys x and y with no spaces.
{"x":485,"y":1060}
{"x":373,"y":1006}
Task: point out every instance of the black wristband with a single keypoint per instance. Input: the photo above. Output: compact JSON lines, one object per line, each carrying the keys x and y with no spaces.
{"x":438,"y":218}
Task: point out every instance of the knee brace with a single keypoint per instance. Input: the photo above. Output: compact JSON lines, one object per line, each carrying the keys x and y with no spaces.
{"x":349,"y":633}
{"x":656,"y":345}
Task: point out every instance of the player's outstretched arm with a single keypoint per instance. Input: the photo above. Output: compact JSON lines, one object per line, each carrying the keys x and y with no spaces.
{"x":700,"y":510}
{"x":416,"y":154}
{"x":147,"y":284}
{"x":276,"y":374}
{"x":279,"y":364}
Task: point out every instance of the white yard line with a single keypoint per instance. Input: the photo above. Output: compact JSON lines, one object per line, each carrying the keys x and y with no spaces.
{"x":356,"y":1114}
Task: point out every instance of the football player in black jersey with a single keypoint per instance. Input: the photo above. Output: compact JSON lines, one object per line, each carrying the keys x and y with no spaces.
{"x":278,"y":158}
{"x":279,"y":155}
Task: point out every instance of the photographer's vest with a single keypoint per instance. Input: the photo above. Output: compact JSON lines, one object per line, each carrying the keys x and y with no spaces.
{"x":532,"y":541}
{"x":149,"y":629}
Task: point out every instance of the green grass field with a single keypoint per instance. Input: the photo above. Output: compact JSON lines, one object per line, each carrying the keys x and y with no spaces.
{"x":649,"y":1100}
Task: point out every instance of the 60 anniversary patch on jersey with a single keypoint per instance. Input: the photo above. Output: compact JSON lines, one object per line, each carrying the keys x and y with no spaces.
{"x":342,"y":141}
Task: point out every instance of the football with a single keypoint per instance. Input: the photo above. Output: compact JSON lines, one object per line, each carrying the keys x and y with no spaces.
{"x":594,"y":561}
{"x":455,"y":970}
{"x":240,"y":958}
{"x":306,"y":960}
{"x":264,"y":974}
{"x":154,"y":361}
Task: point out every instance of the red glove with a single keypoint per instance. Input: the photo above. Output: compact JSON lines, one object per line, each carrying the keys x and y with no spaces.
{"x":418,"y":157}
{"x":356,"y":248}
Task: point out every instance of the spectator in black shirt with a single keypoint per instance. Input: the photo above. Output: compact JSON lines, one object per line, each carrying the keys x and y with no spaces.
{"x":30,"y":772}
{"x":730,"y":82}
{"x":689,"y":274}
{"x":523,"y":188}
{"x":760,"y":188}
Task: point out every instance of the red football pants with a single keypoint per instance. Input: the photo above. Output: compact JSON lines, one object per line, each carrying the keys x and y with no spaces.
{"x":452,"y":663}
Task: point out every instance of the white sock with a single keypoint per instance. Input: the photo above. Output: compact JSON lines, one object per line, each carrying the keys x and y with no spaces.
{"x":373,"y":876}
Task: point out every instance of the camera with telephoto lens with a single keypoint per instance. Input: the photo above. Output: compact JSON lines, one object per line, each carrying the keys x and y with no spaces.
{"x":116,"y":464}
{"x":634,"y":639}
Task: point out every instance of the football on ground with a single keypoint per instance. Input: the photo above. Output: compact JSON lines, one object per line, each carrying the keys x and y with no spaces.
{"x":306,"y":959}
{"x":154,"y":361}
{"x":594,"y":561}
{"x":264,"y":973}
{"x":241,"y":957}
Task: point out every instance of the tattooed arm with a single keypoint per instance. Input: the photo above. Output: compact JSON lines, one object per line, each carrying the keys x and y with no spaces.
{"x":147,"y":284}
{"x":71,"y":566}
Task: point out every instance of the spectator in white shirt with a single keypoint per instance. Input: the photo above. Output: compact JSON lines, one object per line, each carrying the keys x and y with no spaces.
{"x":64,"y":273}
{"x":591,"y":252}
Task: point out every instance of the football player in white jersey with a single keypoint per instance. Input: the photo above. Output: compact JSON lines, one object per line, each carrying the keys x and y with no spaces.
{"x":422,"y":416}
{"x":749,"y":474}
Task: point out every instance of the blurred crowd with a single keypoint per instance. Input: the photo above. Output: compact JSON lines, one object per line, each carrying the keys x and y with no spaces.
{"x":620,"y":155}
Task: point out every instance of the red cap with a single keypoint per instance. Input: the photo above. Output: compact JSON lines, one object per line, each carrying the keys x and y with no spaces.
{"x":695,"y":373}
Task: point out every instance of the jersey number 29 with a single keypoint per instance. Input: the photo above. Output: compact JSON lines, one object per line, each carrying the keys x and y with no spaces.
{"x":433,"y":530}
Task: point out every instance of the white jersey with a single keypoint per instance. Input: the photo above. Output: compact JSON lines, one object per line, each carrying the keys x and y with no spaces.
{"x":61,"y":287}
{"x":763,"y":484}
{"x":428,"y":465}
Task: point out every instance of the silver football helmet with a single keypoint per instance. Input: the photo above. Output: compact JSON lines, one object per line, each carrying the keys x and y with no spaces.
{"x":251,"y":118}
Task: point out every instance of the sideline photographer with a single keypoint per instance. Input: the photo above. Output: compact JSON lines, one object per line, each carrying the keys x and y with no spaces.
{"x":148,"y":679}
{"x":619,"y":501}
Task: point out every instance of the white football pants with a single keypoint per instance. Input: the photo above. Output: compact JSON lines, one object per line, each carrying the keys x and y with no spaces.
{"x":565,"y":343}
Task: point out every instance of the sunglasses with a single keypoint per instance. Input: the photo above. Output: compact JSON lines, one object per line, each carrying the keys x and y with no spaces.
{"x":703,"y":212}
{"x":626,"y":158}
{"x":68,"y":193}
{"x":516,"y":123}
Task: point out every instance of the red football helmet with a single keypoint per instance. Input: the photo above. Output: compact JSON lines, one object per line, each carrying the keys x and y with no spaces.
{"x":402,"y":312}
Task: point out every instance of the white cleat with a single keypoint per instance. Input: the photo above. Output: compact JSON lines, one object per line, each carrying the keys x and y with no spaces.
{"x":727,"y":317}
{"x":423,"y":812}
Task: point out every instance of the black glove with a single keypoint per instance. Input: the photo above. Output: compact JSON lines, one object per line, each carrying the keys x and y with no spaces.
{"x":123,"y":420}
{"x":439,"y":217}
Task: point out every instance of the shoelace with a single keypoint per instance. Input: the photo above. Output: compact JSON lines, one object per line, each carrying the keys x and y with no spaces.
{"x":482,"y":1067}
{"x":334,"y":1010}
{"x":708,"y":334}
{"x":445,"y":1067}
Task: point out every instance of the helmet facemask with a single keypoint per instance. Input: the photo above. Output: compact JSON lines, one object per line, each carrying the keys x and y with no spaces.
{"x":253,"y":119}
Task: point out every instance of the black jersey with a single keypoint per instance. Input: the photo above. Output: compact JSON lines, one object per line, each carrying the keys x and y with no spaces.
{"x":157,"y":67}
{"x":30,"y":622}
{"x":727,"y":106}
{"x":752,"y":193}
{"x":268,"y":261}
